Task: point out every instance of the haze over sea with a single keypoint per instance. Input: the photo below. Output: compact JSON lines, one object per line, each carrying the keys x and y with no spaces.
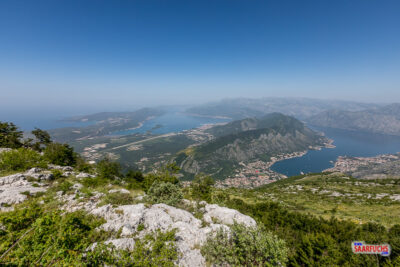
{"x":28,"y":119}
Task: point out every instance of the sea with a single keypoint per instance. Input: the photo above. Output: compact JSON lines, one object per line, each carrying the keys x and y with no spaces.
{"x":347,"y":143}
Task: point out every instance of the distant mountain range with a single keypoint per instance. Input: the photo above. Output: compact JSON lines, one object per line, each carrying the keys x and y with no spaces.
{"x":247,"y":140}
{"x":383,"y":120}
{"x":300,"y":108}
{"x":366,"y":117}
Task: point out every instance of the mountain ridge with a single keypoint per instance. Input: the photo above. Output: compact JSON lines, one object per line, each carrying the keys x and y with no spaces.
{"x":248,"y":140}
{"x":383,"y":120}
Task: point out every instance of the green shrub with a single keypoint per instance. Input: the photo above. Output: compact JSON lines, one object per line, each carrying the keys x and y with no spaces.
{"x":81,"y":165}
{"x":57,"y":174}
{"x":108,"y":169}
{"x":134,"y":179}
{"x":95,"y":182}
{"x":118,"y":199}
{"x":134,"y":176}
{"x":21,"y":160}
{"x":165,"y":192}
{"x":9,"y":135}
{"x":245,"y":246}
{"x":318,"y":249}
{"x":42,"y":139}
{"x":60,"y":154}
{"x":151,"y":178}
{"x":64,"y":186}
{"x":202,"y":187}
{"x":46,"y":238}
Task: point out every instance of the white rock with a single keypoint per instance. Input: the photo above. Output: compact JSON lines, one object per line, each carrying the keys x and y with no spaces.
{"x":226,"y":216}
{"x":67,"y":168}
{"x":122,"y":191}
{"x":189,"y":231}
{"x":127,"y":219}
{"x":139,"y":198}
{"x":190,"y":235}
{"x":122,"y":243}
{"x":12,"y":187}
{"x":84,"y":175}
{"x":33,"y":171}
{"x":77,"y":186}
{"x":39,"y":175}
{"x":4,"y":149}
{"x":67,"y":173}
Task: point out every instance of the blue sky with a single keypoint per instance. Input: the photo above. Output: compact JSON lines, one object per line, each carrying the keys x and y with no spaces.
{"x":113,"y":55}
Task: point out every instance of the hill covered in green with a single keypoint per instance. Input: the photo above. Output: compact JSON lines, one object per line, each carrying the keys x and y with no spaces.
{"x":244,"y":141}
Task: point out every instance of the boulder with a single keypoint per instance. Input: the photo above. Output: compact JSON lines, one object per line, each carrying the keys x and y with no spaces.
{"x":122,"y":243}
{"x":14,"y":189}
{"x":77,"y":186}
{"x":226,"y":216}
{"x":68,"y":173}
{"x":122,"y":191}
{"x":39,"y":174}
{"x":190,"y":233}
{"x":82,"y":175}
{"x":33,"y":171}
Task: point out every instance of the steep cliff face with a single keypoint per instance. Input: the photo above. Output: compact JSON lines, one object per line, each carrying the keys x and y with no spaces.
{"x":247,"y":140}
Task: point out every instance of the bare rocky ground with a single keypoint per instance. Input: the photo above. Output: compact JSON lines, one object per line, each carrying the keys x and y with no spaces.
{"x":129,"y":221}
{"x":135,"y":221}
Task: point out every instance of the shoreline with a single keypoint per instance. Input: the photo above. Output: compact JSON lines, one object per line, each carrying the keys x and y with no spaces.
{"x":258,"y":173}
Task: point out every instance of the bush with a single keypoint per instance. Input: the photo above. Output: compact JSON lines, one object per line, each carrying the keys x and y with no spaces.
{"x":95,"y":182}
{"x":134,"y":179}
{"x":245,"y":246}
{"x":202,"y":187}
{"x":64,"y":187}
{"x":42,"y":139}
{"x":60,"y":154}
{"x":57,"y":174}
{"x":47,"y":237}
{"x":118,"y":199}
{"x":165,"y":192}
{"x":108,"y":169}
{"x":21,"y":160}
{"x":9,"y":135}
{"x":81,"y":165}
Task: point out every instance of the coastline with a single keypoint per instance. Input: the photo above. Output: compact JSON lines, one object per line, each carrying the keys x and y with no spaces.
{"x":258,"y":173}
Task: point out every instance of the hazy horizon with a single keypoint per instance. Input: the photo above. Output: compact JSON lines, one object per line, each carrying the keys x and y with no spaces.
{"x":101,"y":56}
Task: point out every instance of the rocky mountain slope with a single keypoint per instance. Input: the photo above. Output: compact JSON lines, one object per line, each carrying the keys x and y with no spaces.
{"x":383,"y":120}
{"x":243,"y":141}
{"x":300,"y":108}
{"x":92,"y":215}
{"x":129,"y":223}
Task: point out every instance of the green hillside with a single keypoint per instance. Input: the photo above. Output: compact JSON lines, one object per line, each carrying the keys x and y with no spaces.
{"x":246,"y":140}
